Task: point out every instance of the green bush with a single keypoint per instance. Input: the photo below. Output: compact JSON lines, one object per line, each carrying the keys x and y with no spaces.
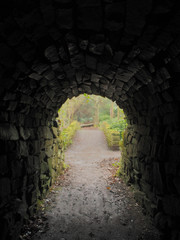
{"x":112,"y":136}
{"x":68,"y":133}
{"x":104,"y":117}
{"x":119,"y":125}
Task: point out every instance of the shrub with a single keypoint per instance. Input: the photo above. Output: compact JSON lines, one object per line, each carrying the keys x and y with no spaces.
{"x":112,"y":136}
{"x":68,"y":133}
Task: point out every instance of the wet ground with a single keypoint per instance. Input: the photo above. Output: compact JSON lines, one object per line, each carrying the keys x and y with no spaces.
{"x":90,"y":202}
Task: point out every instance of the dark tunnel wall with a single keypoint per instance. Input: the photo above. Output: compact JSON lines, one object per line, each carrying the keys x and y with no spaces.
{"x":125,"y":50}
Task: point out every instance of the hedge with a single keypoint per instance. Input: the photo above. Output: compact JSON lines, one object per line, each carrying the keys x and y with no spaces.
{"x":112,"y":136}
{"x":68,"y":133}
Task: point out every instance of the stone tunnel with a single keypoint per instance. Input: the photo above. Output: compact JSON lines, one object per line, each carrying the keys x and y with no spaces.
{"x":126,"y":50}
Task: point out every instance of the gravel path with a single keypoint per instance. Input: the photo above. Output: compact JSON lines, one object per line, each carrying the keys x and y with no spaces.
{"x":91,"y":203}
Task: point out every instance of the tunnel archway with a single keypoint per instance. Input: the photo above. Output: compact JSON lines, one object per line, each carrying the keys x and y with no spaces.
{"x":54,"y":50}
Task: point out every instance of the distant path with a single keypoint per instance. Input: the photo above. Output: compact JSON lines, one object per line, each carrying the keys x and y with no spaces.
{"x":89,"y":206}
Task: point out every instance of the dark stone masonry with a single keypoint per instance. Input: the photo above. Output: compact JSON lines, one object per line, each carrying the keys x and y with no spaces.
{"x":126,"y":50}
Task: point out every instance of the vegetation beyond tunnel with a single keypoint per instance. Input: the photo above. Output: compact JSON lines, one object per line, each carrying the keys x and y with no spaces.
{"x":91,"y":110}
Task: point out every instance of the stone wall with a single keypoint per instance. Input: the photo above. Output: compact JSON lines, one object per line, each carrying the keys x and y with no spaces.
{"x":125,"y":50}
{"x":31,"y":159}
{"x":151,"y":162}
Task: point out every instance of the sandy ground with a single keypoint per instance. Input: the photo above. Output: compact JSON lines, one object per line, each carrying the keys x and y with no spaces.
{"x":89,"y":202}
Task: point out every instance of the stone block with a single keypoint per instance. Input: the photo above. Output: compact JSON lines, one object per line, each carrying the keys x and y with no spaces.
{"x":39,"y":67}
{"x":135,"y":162}
{"x":26,"y":99}
{"x":30,"y":165}
{"x":91,"y":62}
{"x":164,"y":73}
{"x":34,"y":147}
{"x":147,"y":173}
{"x":79,"y":76}
{"x":103,"y":87}
{"x":23,"y":149}
{"x":151,"y":208}
{"x":97,"y":49}
{"x":86,"y":89}
{"x":111,"y":90}
{"x":45,"y":132}
{"x":157,"y":178}
{"x":49,"y":151}
{"x":3,"y":116}
{"x":139,"y":196}
{"x":143,"y":76}
{"x":77,"y":61}
{"x":17,"y":168}
{"x":102,"y":68}
{"x":50,"y":93}
{"x":95,"y":78}
{"x":109,"y":74}
{"x":51,"y":54}
{"x":95,"y":89}
{"x":75,"y":92}
{"x":49,"y":75}
{"x":35,"y":76}
{"x":147,"y":189}
{"x":44,"y":169}
{"x":55,"y":131}
{"x":8,"y":132}
{"x":32,"y":197}
{"x":11,"y":106}
{"x":70,"y":73}
{"x":123,"y":75}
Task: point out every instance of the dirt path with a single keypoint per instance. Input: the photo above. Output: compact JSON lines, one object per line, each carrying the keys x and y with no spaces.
{"x":89,"y":205}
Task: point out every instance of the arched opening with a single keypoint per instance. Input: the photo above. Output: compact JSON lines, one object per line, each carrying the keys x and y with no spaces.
{"x":54,"y":50}
{"x":92,"y":111}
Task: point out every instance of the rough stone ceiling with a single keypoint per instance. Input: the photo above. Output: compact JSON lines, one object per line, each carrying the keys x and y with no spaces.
{"x":53,"y":50}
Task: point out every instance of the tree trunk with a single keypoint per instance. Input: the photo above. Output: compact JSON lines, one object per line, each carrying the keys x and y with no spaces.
{"x":96,"y":118}
{"x":112,"y":110}
{"x":118,"y":113}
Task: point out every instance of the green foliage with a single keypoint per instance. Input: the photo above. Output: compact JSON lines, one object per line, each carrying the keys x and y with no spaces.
{"x":114,"y":131}
{"x":104,"y":117}
{"x":65,"y":166}
{"x":116,"y":164}
{"x":112,"y":136}
{"x":92,"y":109}
{"x":68,"y":133}
{"x":119,"y":125}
